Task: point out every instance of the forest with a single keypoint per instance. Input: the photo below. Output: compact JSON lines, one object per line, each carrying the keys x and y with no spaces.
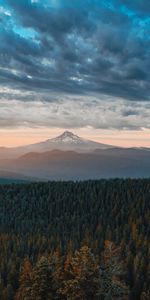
{"x":75,"y":240}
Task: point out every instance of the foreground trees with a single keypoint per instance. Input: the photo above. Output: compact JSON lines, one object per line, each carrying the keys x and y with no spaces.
{"x":54,"y":220}
{"x":25,"y":281}
{"x":113,"y":273}
{"x":80,"y":278}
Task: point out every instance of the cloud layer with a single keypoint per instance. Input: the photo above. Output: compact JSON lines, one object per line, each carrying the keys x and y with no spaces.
{"x":50,"y":48}
{"x":83,"y":113}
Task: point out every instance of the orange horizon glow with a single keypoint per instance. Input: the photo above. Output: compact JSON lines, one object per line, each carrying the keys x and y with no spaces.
{"x":126,"y":138}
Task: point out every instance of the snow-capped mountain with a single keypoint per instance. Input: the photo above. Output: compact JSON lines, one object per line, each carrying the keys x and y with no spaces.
{"x":69,"y":156}
{"x":68,"y":137}
{"x":66,"y":141}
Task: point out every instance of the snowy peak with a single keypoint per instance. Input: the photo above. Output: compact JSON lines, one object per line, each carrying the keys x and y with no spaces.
{"x":70,"y":142}
{"x":68,"y":137}
{"x":67,"y":141}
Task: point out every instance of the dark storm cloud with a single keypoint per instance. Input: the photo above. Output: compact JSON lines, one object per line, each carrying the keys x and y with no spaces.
{"x":77,"y":47}
{"x":138,"y":6}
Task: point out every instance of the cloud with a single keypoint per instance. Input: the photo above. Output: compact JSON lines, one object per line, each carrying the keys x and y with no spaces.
{"x":75,"y":63}
{"x":70,"y":47}
{"x":75,"y":113}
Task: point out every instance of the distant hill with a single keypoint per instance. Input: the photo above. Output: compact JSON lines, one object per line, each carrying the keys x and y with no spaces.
{"x":10,"y":181}
{"x":12,"y":177}
{"x":66,"y":165}
{"x":69,"y":156}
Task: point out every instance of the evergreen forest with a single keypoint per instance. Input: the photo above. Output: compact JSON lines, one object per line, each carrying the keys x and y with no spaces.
{"x":75,"y":240}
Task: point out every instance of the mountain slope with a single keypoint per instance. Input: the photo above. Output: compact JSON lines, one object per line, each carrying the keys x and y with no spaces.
{"x":66,"y":141}
{"x":67,"y":165}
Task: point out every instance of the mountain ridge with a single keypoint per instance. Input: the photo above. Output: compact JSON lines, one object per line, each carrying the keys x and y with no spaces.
{"x":66,"y":141}
{"x":60,"y":159}
{"x":71,"y":165}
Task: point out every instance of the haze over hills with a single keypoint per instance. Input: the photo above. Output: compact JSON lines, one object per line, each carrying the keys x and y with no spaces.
{"x":70,"y":165}
{"x":7,"y":176}
{"x":65,"y":141}
{"x":69,"y":157}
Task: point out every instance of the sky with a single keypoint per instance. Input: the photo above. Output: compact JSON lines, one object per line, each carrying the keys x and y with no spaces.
{"x":80,"y":65}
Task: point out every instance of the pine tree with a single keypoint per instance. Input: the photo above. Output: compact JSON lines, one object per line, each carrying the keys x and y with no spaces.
{"x":82,"y":280}
{"x":111,"y":273}
{"x":42,"y":281}
{"x":56,"y":264}
{"x":25,"y":281}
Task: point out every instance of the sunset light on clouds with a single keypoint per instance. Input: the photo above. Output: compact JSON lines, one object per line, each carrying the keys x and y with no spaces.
{"x":76,"y":65}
